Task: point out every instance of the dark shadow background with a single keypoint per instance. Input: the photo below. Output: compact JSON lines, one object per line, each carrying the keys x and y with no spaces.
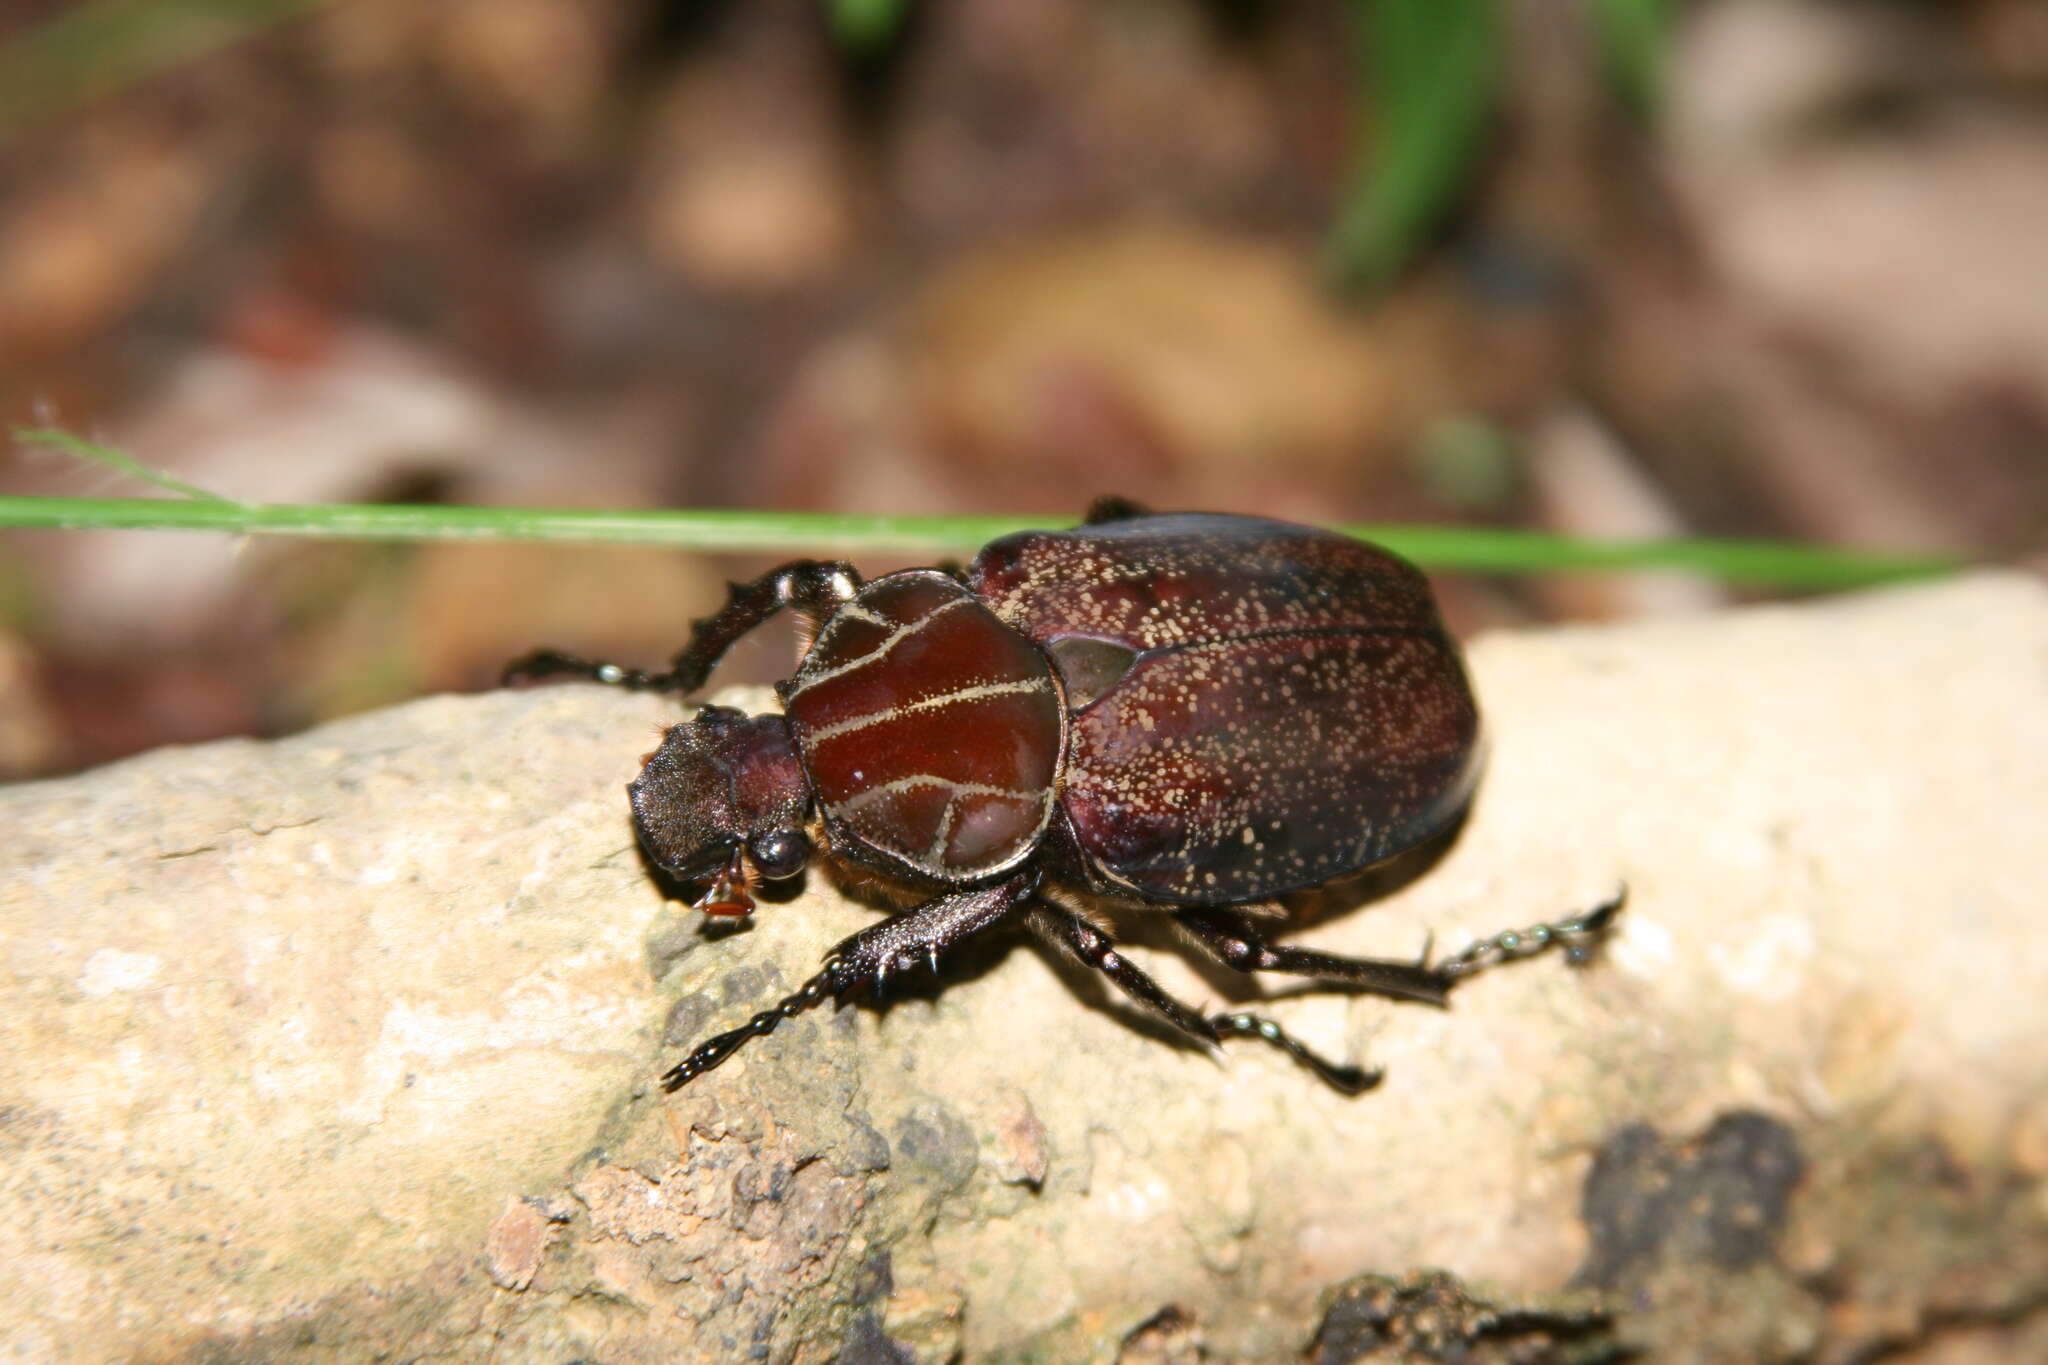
{"x":982,"y":256}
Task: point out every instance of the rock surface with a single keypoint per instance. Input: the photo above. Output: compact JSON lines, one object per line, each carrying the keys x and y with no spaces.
{"x":342,"y":1047}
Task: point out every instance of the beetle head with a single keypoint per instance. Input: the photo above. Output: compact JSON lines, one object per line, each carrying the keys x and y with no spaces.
{"x":723,"y":800}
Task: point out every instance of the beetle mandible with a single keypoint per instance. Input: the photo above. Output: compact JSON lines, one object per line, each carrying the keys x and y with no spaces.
{"x":1191,"y":713}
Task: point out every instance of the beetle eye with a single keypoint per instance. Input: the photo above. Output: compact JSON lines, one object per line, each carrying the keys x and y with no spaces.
{"x":780,"y":853}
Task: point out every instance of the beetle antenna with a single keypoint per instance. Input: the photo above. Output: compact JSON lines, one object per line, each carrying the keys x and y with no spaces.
{"x":714,"y":1050}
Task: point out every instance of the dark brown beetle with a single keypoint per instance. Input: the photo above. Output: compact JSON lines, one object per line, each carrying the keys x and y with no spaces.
{"x":1191,"y":713}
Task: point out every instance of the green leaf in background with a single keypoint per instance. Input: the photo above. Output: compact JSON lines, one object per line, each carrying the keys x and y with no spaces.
{"x":1634,"y":36}
{"x":93,"y":48}
{"x":1427,"y":70}
{"x":866,"y":25}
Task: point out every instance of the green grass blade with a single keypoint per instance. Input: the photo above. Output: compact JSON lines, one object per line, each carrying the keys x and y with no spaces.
{"x":1430,"y":67}
{"x":92,"y":452}
{"x":714,"y":531}
{"x":1761,"y":563}
{"x":1444,"y":548}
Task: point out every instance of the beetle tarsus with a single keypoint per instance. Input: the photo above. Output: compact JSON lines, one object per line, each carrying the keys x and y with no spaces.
{"x":1346,"y":1080}
{"x":1580,"y":937}
{"x":717,"y":1048}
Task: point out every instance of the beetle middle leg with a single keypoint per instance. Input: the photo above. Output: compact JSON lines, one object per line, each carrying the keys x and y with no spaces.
{"x":1094,"y":948}
{"x":811,"y":587}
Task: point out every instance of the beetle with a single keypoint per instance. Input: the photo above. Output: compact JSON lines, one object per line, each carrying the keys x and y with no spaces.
{"x":1189,"y":713}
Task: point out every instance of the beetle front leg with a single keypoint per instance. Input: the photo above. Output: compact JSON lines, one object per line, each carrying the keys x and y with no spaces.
{"x":921,"y":937}
{"x":869,"y":958}
{"x":1094,"y":948}
{"x":809,"y":586}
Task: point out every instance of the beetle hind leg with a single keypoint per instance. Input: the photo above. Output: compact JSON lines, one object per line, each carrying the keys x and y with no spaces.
{"x":1095,"y":949}
{"x":811,"y":587}
{"x":1229,"y":937}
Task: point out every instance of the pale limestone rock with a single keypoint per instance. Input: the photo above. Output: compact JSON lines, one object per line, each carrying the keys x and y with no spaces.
{"x":345,"y":1045}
